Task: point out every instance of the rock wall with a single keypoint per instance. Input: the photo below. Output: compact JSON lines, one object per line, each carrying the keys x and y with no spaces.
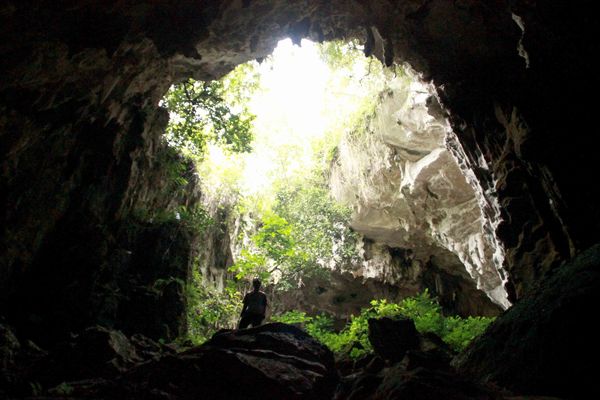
{"x":79,"y":115}
{"x":391,"y":274}
{"x":216,"y":244}
{"x":408,"y":191}
{"x":548,"y":331}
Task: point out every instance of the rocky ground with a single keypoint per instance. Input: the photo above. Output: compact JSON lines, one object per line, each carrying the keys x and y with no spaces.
{"x":274,"y":361}
{"x":544,"y":345}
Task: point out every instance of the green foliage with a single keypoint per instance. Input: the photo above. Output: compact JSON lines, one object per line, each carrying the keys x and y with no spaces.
{"x":292,"y":317}
{"x":160,"y":284}
{"x":424,"y":310}
{"x":462,"y":331}
{"x":251,"y":264}
{"x":319,"y":224}
{"x":210,"y":309}
{"x":275,"y":238}
{"x":340,"y":54}
{"x":195,"y":218}
{"x":305,"y":232}
{"x":201,"y":114}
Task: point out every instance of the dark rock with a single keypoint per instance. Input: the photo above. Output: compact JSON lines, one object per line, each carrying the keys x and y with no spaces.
{"x":270,"y":361}
{"x":429,"y":341}
{"x":433,"y":360}
{"x":18,"y":358}
{"x":98,"y":352}
{"x":433,"y":353}
{"x":392,"y":338}
{"x":358,"y":386}
{"x":148,"y":349}
{"x":362,"y":362}
{"x":396,"y":382}
{"x":426,"y":384}
{"x":95,"y":353}
{"x":9,"y":347}
{"x":546,"y":343}
{"x":375,"y":365}
{"x":344,"y":364}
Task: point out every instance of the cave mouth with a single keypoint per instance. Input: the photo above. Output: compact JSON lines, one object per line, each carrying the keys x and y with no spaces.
{"x":83,"y":174}
{"x":336,"y":181}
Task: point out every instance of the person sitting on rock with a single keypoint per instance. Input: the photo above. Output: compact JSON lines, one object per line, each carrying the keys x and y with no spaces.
{"x":254,"y":308}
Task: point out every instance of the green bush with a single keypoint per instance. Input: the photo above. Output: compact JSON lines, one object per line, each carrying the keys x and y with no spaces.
{"x":210,"y":309}
{"x":423,"y":309}
{"x":292,"y":317}
{"x":462,"y":331}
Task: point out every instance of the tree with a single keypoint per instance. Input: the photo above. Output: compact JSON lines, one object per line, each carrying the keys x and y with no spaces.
{"x":200,"y":114}
{"x":301,"y":237}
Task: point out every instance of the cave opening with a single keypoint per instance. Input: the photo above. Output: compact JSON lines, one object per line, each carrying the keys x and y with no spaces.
{"x":99,"y":225}
{"x":322,"y":171}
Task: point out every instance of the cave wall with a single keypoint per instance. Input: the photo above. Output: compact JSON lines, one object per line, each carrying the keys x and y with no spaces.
{"x":79,"y":115}
{"x":391,"y":274}
{"x":408,"y":191}
{"x":82,"y":166}
{"x":217,"y":242}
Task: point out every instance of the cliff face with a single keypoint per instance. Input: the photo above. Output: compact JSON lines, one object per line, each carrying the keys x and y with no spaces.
{"x":408,"y":191}
{"x":423,"y":222}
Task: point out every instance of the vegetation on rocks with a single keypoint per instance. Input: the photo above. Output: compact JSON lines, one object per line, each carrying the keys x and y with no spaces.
{"x":210,"y":309}
{"x":423,"y":309}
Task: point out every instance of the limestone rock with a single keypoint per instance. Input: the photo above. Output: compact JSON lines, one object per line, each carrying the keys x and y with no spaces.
{"x":544,"y":345}
{"x":391,"y":274}
{"x":408,"y":191}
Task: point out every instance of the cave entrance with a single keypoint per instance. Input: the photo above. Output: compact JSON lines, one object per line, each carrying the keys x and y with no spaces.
{"x":335,"y":180}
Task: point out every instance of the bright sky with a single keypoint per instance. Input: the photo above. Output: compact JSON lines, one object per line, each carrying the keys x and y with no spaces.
{"x":300,"y":99}
{"x":289,"y":111}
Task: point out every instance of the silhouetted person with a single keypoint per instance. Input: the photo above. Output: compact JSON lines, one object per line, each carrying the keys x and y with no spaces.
{"x":254,"y":308}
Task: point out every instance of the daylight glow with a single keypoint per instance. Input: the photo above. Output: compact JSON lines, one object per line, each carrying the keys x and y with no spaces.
{"x":300,"y":100}
{"x":288,"y":111}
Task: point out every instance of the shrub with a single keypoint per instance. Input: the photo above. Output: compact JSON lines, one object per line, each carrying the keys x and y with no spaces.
{"x":210,"y":309}
{"x":423,"y":309}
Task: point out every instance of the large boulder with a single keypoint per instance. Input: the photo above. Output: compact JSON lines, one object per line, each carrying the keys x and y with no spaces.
{"x":273,"y":361}
{"x":427,"y":384}
{"x":546,"y":343}
{"x":392,"y":338}
{"x":95,"y":352}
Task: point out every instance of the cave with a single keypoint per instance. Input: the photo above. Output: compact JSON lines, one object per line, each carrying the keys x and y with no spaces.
{"x":81,"y":130}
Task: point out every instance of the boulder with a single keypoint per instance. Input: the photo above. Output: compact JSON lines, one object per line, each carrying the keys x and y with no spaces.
{"x":273,"y":361}
{"x":392,"y":338}
{"x":419,"y":383}
{"x":545,"y":344}
{"x":428,"y":384}
{"x":96,"y":352}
